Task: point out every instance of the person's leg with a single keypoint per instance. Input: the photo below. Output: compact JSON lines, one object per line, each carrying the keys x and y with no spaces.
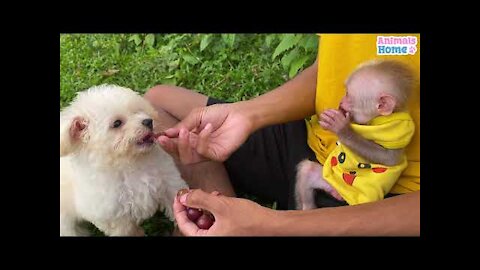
{"x":174,"y":103}
{"x":265,"y":165}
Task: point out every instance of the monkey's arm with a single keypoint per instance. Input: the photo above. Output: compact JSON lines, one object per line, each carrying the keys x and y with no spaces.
{"x":368,"y":149}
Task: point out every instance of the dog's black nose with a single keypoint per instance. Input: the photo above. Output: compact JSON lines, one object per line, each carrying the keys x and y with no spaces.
{"x":148,"y":123}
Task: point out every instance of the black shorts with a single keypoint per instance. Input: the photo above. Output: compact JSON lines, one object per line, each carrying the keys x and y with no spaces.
{"x":265,"y":165}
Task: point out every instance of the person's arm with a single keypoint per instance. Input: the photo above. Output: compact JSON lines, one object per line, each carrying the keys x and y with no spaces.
{"x":293,"y":100}
{"x":395,"y":216}
{"x":214,"y":132}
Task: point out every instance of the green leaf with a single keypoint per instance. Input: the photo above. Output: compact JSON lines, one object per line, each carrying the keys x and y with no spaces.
{"x":298,"y":37}
{"x":269,"y":39}
{"x":170,"y":81}
{"x":118,"y":48}
{"x":190,"y":58}
{"x":303,"y":41}
{"x":149,"y":40}
{"x":229,"y":39}
{"x":288,"y":58}
{"x":136,"y":39}
{"x":174,"y":63}
{"x":287,"y":42}
{"x":296,"y":65}
{"x":110,"y":72}
{"x":311,"y":42}
{"x":205,"y":41}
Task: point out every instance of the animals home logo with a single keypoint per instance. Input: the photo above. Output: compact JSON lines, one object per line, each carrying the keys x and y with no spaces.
{"x":400,"y":45}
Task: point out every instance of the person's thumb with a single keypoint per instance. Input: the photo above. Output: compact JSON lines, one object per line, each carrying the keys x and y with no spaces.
{"x":192,"y":121}
{"x":197,"y":198}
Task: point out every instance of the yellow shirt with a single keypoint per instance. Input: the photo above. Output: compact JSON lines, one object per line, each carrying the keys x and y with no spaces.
{"x":359,"y":181}
{"x":338,"y":56}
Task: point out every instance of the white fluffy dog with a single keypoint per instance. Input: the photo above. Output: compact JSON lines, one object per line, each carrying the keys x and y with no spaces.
{"x":112,"y":173}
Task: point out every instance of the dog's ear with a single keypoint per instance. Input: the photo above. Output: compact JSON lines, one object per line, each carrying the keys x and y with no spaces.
{"x":72,"y":132}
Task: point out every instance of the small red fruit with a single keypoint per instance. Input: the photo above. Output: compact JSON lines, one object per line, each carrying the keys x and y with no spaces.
{"x":193,"y":214}
{"x":205,"y":221}
{"x":203,"y":218}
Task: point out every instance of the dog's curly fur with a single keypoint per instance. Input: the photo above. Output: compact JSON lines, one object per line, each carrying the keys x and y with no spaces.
{"x":112,"y":173}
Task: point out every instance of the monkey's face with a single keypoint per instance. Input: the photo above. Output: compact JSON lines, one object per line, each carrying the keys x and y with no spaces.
{"x":361,"y":99}
{"x":361,"y":109}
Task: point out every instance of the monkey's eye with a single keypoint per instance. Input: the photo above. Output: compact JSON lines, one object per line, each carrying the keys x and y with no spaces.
{"x":117,"y":123}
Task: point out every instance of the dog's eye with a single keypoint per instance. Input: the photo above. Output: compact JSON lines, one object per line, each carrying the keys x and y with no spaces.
{"x":117,"y":123}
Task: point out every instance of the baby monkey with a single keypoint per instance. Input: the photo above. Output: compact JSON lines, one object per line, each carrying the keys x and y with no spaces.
{"x":373,"y":128}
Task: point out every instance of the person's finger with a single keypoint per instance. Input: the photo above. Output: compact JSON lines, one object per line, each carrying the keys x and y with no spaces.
{"x":193,"y":119}
{"x":193,"y":138}
{"x":172,"y":132}
{"x":203,"y":140}
{"x":186,"y":226}
{"x":198,"y":198}
{"x":168,"y":145}
{"x":161,"y":133}
{"x":184,"y":148}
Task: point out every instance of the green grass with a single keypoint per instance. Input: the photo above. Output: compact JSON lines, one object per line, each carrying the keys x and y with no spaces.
{"x":229,"y":67}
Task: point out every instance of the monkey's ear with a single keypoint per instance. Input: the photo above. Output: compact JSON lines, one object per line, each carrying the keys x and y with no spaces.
{"x":72,"y":131}
{"x":386,"y":104}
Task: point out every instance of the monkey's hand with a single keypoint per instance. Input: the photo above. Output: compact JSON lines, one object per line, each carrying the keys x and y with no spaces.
{"x":335,"y":121}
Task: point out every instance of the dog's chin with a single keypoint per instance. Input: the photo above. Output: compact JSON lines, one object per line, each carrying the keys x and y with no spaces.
{"x":146,"y":141}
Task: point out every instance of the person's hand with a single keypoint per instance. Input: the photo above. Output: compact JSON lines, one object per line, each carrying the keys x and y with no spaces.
{"x":212,"y":132}
{"x":335,"y":121}
{"x":233,"y":216}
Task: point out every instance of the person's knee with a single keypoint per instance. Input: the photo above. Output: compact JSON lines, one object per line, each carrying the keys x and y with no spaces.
{"x":155,"y":93}
{"x":208,"y":176}
{"x":175,"y":100}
